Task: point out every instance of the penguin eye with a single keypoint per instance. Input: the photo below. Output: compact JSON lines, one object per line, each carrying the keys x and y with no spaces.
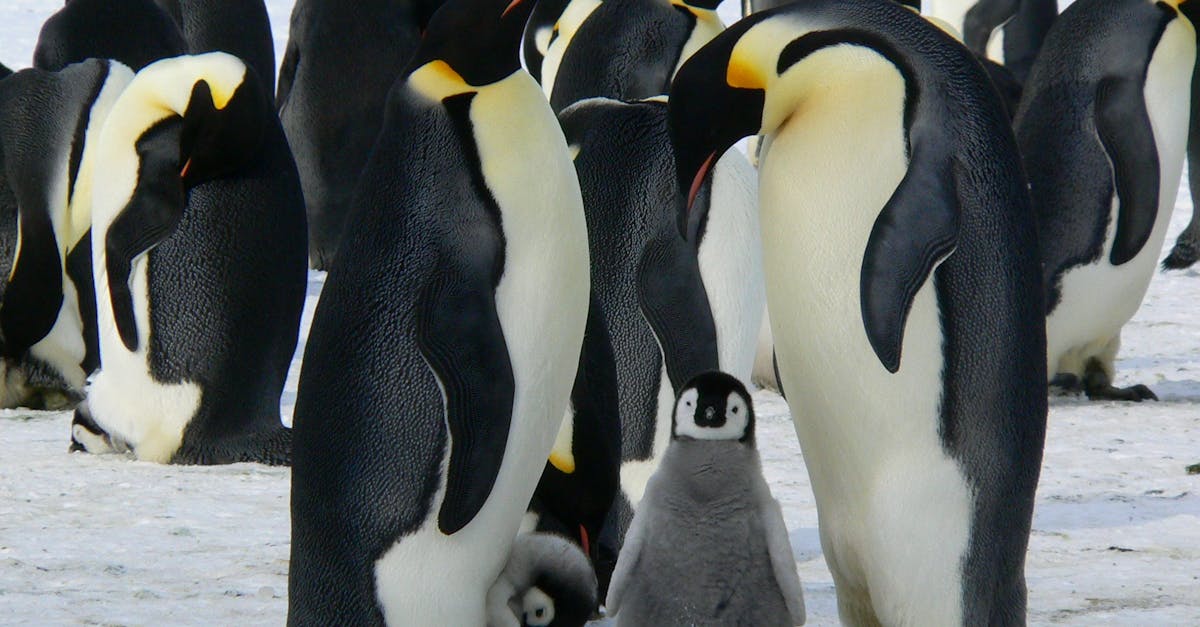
{"x":541,"y":611}
{"x":734,"y":410}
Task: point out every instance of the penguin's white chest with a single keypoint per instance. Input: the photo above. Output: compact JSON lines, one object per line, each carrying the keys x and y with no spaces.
{"x":889,"y":497}
{"x":572,"y":18}
{"x":428,"y":577}
{"x":1099,"y":298}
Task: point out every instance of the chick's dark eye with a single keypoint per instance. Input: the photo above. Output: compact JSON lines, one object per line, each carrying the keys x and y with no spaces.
{"x":735,"y":410}
{"x":540,"y":612}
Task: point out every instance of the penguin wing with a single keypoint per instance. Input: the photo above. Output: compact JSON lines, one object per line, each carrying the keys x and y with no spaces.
{"x":153,"y":212}
{"x":1123,"y":124}
{"x":983,"y":18}
{"x":915,"y":230}
{"x":673,"y":300}
{"x":459,"y":334}
{"x":782,"y":562}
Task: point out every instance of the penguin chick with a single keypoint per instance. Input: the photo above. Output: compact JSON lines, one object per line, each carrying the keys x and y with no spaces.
{"x":708,"y":545}
{"x":548,"y":582}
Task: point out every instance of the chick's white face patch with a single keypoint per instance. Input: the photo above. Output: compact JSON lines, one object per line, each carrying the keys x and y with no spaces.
{"x":737,"y":417}
{"x":538,"y":607}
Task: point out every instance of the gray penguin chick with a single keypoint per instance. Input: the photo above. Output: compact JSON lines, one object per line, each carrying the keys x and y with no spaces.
{"x":548,"y":582}
{"x":708,"y":545}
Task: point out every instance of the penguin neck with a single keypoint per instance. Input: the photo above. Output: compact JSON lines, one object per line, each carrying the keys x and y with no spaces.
{"x":710,"y":470}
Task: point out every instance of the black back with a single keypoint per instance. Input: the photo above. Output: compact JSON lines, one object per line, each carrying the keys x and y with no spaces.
{"x":625,"y":50}
{"x":239,"y":27}
{"x":964,"y":183}
{"x":4,"y":71}
{"x":134,"y":32}
{"x":1025,"y":33}
{"x":226,"y":292}
{"x":43,"y":118}
{"x":1096,"y":53}
{"x":340,"y":61}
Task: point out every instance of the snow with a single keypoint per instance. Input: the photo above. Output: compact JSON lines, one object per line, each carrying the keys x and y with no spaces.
{"x":105,"y":540}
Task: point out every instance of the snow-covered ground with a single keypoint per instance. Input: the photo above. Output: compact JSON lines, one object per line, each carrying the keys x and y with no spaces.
{"x":105,"y":540}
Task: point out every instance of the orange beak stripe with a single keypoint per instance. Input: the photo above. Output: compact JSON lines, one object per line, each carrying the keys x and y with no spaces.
{"x":511,"y":5}
{"x":186,"y":166}
{"x":699,"y":180}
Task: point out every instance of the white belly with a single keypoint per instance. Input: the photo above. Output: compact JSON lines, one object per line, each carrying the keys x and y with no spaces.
{"x":427,"y":577}
{"x":568,"y":23}
{"x":894,"y":508}
{"x":1099,"y":298}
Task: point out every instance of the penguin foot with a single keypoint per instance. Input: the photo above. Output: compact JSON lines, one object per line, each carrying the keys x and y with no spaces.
{"x":1183,"y":255}
{"x":1098,"y":386}
{"x":1066,"y":384}
{"x":1194,"y":469}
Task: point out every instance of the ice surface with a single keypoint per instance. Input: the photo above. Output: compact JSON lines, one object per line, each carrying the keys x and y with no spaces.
{"x":104,"y":540}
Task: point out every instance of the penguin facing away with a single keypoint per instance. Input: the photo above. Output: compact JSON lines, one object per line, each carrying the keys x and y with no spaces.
{"x":708,"y":545}
{"x":582,"y":476}
{"x":547,"y":582}
{"x":240,"y":27}
{"x":427,"y":411}
{"x":928,"y":327}
{"x":134,"y":32}
{"x":47,"y":311}
{"x":198,"y":250}
{"x":644,"y":273}
{"x":341,"y":59}
{"x":1103,"y":137}
{"x":624,"y":49}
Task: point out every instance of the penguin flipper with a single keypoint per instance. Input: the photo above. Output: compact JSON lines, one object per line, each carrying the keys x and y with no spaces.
{"x":677,"y":310}
{"x":459,"y":334}
{"x":1123,"y":124}
{"x":783,"y":564}
{"x":916,"y":230}
{"x":152,"y":214}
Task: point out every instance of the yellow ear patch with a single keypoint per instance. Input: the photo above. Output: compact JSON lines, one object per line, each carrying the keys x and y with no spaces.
{"x":565,"y":463}
{"x":438,"y":80}
{"x":743,"y":73}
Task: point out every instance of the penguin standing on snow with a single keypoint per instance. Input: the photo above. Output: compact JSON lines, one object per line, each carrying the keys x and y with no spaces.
{"x":340,"y":60}
{"x":1102,"y":129}
{"x":904,"y":301}
{"x":708,"y":545}
{"x":624,"y":49}
{"x":240,"y":27}
{"x":447,"y":338}
{"x":134,"y":32}
{"x":198,"y":251}
{"x":47,"y":314}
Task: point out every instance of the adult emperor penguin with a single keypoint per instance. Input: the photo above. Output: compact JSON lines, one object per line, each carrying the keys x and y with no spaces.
{"x":340,"y":60}
{"x":47,"y":315}
{"x":134,"y":32}
{"x":1103,"y":139}
{"x":905,"y":305}
{"x":624,"y":49}
{"x":446,"y":341}
{"x":1186,"y":250}
{"x":672,"y":312}
{"x":582,"y":476}
{"x":240,"y":27}
{"x":708,"y":545}
{"x":547,"y":582}
{"x":198,"y":254}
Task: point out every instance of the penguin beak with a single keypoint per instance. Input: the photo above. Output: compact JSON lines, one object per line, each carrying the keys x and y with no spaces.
{"x":711,"y":107}
{"x":511,"y":5}
{"x":217,"y":141}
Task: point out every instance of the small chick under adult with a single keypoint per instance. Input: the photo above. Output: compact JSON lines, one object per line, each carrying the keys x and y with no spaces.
{"x":548,"y":582}
{"x":708,"y":545}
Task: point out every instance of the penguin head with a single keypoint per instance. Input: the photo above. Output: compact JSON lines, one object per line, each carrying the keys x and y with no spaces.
{"x":714,"y":406}
{"x":475,"y":42}
{"x":556,"y":585}
{"x":759,"y":73}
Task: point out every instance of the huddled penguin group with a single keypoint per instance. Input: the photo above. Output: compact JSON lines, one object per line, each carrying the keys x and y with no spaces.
{"x":525,"y":397}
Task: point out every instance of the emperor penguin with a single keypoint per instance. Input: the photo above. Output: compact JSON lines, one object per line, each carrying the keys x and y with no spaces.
{"x":547,"y":582}
{"x":340,"y":60}
{"x":47,"y":307}
{"x":446,"y":341}
{"x":134,"y":32}
{"x":1186,"y":250}
{"x":240,"y":27}
{"x":708,"y":545}
{"x":540,"y":32}
{"x":1102,"y":129}
{"x":582,"y":476}
{"x":623,"y":49}
{"x":199,"y":261}
{"x":676,"y":307}
{"x":904,"y":302}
